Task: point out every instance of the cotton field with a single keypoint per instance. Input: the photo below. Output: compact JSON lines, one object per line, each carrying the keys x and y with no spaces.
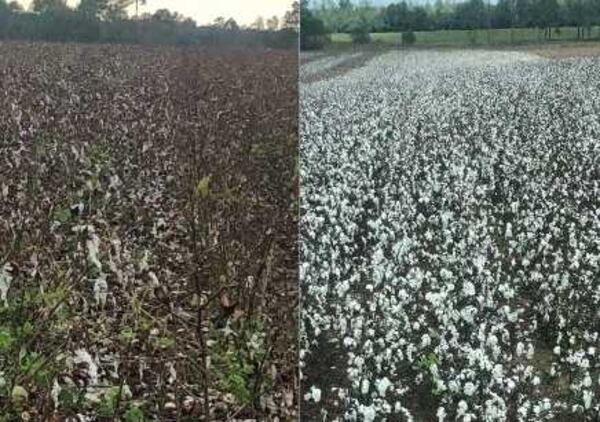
{"x":147,"y":233}
{"x":450,"y":239}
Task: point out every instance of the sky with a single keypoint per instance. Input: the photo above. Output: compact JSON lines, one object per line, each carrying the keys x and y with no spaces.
{"x":205,"y":11}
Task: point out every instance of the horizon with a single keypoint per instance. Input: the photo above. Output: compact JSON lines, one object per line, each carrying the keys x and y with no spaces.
{"x":204,"y":12}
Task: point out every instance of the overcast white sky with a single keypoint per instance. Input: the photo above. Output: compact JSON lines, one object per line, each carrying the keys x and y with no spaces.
{"x":205,"y":11}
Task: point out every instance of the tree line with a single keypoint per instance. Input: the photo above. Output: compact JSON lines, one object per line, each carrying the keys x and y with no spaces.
{"x":108,"y":21}
{"x":326,"y":16}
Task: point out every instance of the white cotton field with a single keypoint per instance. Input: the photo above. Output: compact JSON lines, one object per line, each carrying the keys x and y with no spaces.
{"x":450,"y":239}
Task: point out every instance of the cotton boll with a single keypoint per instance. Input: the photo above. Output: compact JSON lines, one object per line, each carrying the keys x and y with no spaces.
{"x":441,"y":414}
{"x":469,"y":388}
{"x":587,"y":399}
{"x":315,"y":394}
{"x":364,"y":386}
{"x":425,"y":340}
{"x":382,"y":386}
{"x":368,"y":413}
{"x":468,"y":288}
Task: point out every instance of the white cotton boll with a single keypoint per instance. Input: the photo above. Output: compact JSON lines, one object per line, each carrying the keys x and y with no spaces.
{"x":468,"y":288}
{"x":536,"y":381}
{"x":382,"y":385}
{"x":520,"y":349}
{"x":368,"y":413}
{"x":462,"y":408}
{"x":498,"y":372}
{"x":530,"y":351}
{"x":144,"y":261}
{"x":5,"y":282}
{"x":100,"y":290}
{"x":556,"y":350}
{"x":55,"y":393}
{"x":508,"y":233}
{"x":441,"y":414}
{"x":587,"y":381}
{"x":83,"y":356}
{"x":446,"y":274}
{"x":425,"y":340}
{"x":315,"y":394}
{"x":468,"y":313}
{"x":153,"y":279}
{"x":342,"y":288}
{"x":587,"y":399}
{"x":364,"y":386}
{"x":93,"y":246}
{"x":469,"y":388}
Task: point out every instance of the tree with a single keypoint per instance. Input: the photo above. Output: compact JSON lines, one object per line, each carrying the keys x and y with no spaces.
{"x":92,"y":9}
{"x":273,"y":23}
{"x":15,"y":7}
{"x":503,"y":14}
{"x":577,"y":15}
{"x":49,"y":6}
{"x":165,"y":15}
{"x":291,"y":20}
{"x":546,"y":15}
{"x":471,"y":14}
{"x":396,"y":17}
{"x":137,"y":7}
{"x":312,"y":29}
{"x":231,"y":25}
{"x":360,"y":31}
{"x":523,"y":13}
{"x":259,"y":24}
{"x":219,"y":22}
{"x":117,"y":10}
{"x":110,"y":10}
{"x":345,"y":4}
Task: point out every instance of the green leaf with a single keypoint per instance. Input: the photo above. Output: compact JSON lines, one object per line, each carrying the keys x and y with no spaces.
{"x":19,"y":395}
{"x":6,"y":339}
{"x":165,"y":342}
{"x":203,"y":187}
{"x":127,"y":334}
{"x":71,"y":398}
{"x":134,"y":414}
{"x":62,"y":215}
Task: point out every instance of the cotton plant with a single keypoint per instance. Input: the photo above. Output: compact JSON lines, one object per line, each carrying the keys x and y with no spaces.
{"x":5,"y":282}
{"x":449,"y":235}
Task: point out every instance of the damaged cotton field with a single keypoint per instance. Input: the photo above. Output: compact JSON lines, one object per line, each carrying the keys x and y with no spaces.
{"x":450,"y":239}
{"x":147,"y":233}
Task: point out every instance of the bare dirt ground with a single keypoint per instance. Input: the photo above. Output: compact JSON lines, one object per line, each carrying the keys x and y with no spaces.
{"x":340,"y":69}
{"x":565,"y":50}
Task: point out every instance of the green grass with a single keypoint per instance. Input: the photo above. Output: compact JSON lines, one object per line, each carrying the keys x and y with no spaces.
{"x":472,"y":37}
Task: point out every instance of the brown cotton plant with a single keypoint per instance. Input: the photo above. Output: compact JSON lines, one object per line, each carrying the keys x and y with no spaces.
{"x":147,"y":233}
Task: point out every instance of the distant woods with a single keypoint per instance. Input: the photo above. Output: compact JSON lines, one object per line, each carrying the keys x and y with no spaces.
{"x":345,"y":16}
{"x":108,"y":21}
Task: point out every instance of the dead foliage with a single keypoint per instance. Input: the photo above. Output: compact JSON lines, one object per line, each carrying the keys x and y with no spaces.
{"x":147,"y":233}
